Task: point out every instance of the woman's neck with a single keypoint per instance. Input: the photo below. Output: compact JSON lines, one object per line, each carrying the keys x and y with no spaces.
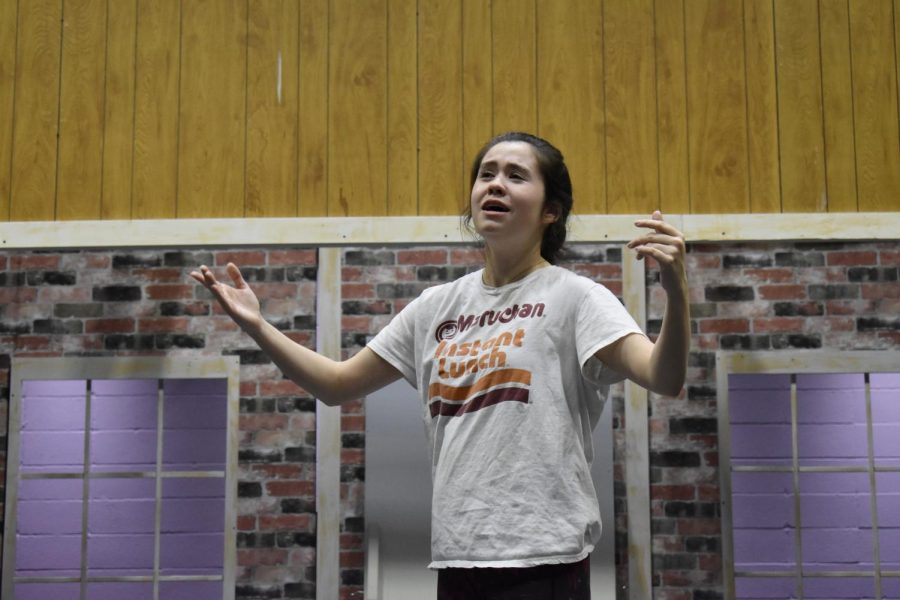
{"x":501,"y":269}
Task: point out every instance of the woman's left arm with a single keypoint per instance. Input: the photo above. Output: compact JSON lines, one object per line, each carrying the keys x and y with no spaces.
{"x":661,"y":366}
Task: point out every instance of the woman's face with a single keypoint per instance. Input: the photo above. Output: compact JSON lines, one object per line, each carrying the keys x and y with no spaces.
{"x":508,"y":194}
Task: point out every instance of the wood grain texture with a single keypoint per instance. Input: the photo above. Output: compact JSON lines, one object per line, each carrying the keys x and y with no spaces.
{"x":441,"y":190}
{"x":875,"y":105}
{"x":477,"y":83}
{"x":514,"y":59}
{"x":671,"y":101}
{"x":837,"y":106}
{"x":37,"y":118}
{"x":570,"y":92}
{"x":402,"y":107}
{"x":118,"y":120}
{"x":762,"y":107}
{"x":156,"y":110}
{"x":800,"y":126}
{"x":81,"y":111}
{"x":357,"y":117}
{"x":312,"y":165}
{"x":8,"y":24}
{"x":717,"y":112}
{"x":272,"y":82}
{"x":632,"y":156}
{"x":212,"y":108}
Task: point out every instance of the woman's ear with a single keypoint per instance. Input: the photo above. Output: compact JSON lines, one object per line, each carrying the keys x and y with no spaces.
{"x":551,"y":213}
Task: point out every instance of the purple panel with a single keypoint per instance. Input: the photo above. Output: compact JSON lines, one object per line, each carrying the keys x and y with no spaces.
{"x":123,"y":450}
{"x":835,"y":381}
{"x":831,"y":406}
{"x":758,"y":381}
{"x":191,"y":590}
{"x":125,"y":387}
{"x":833,"y":588}
{"x":53,"y":413}
{"x":196,"y":387}
{"x":837,"y":549}
{"x":50,"y":489}
{"x":117,"y":516}
{"x":886,"y":418}
{"x":52,"y":451}
{"x":193,"y":521}
{"x":761,"y":444}
{"x":775,"y":588}
{"x":194,"y":449}
{"x":763,"y":511}
{"x":762,"y":483}
{"x":201,"y":487}
{"x":192,"y":553}
{"x":759,"y":406}
{"x":54,"y":387}
{"x":197,"y":515}
{"x":764,"y":549}
{"x":120,"y":554}
{"x":890,"y":588}
{"x":196,"y":412}
{"x":832,"y":444}
{"x":124,"y":412}
{"x":836,"y":513}
{"x":119,"y":591}
{"x":56,"y":555}
{"x":888,"y":486}
{"x":122,"y":489}
{"x":49,"y":517}
{"x":43,"y":591}
{"x":884,"y":381}
{"x":52,"y":433}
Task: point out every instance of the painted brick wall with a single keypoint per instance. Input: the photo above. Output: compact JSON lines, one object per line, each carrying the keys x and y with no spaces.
{"x":748,"y":296}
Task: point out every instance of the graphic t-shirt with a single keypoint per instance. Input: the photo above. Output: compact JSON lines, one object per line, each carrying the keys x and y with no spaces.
{"x":511,"y":391}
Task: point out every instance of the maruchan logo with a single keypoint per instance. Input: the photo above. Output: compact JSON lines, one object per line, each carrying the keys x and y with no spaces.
{"x":448,"y":329}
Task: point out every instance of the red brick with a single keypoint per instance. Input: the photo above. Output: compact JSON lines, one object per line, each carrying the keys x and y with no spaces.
{"x":248,"y":388}
{"x":772,"y":275}
{"x":351,"y":592}
{"x":161,"y":275}
{"x":608,"y":273}
{"x":222,"y":324}
{"x":290,"y":488}
{"x":672,"y":492}
{"x":670,"y":594}
{"x":246,"y":522}
{"x":349,"y":291}
{"x":675,"y":579}
{"x":169,"y":292}
{"x":875,"y":291}
{"x":467,"y":256}
{"x":353,"y":456}
{"x":292,"y":257}
{"x":724,"y":326}
{"x":703,"y":261}
{"x":352,"y":274}
{"x":779,"y":324}
{"x":422,"y":257}
{"x":841,"y":324}
{"x":242,"y":258}
{"x":304,"y":338}
{"x":782,"y":292}
{"x":351,"y":541}
{"x":261,"y":556}
{"x":64,"y":294}
{"x":34,"y":261}
{"x":711,"y":459}
{"x":889,"y":257}
{"x":3,"y":263}
{"x":691,"y":526}
{"x":710,"y":562}
{"x":275,"y":291}
{"x":708,"y":493}
{"x":351,"y":423}
{"x":164,"y":325}
{"x":615,"y":287}
{"x":263,"y":421}
{"x":279,"y":471}
{"x":268,"y":389}
{"x":109,"y":325}
{"x":354,"y":559}
{"x":32,"y":342}
{"x":356,"y":323}
{"x":851,"y":258}
{"x":279,"y":522}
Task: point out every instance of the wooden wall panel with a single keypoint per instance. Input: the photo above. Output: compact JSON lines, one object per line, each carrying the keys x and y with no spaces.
{"x":875,"y":104}
{"x":513,"y":54}
{"x":81,"y":110}
{"x":717,"y":114}
{"x":272,"y":83}
{"x":800,"y":126}
{"x":477,"y":84}
{"x":632,"y":154}
{"x":8,"y":19}
{"x":764,"y":169}
{"x":212,"y":121}
{"x":118,"y":122}
{"x":837,"y":105}
{"x":155,"y":166}
{"x":312,"y":166}
{"x":570,"y":93}
{"x":671,"y":102}
{"x":440,"y":109}
{"x":37,"y":118}
{"x":357,"y":165}
{"x":402,"y":107}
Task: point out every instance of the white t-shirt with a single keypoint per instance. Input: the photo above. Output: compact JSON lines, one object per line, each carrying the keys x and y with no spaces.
{"x":511,"y":391}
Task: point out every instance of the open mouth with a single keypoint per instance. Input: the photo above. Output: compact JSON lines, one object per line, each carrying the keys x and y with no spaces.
{"x":494,"y":207}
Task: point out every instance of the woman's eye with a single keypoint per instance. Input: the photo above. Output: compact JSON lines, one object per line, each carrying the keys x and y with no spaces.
{"x":486,"y":175}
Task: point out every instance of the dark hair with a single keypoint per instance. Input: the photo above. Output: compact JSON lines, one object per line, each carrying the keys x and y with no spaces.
{"x":557,"y":188}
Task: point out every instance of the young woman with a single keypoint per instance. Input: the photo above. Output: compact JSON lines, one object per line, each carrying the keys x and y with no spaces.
{"x":513,"y":364}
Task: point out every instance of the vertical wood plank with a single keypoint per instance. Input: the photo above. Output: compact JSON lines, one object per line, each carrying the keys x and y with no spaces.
{"x":118,"y":121}
{"x":440,"y":110}
{"x":837,"y":105}
{"x":81,"y":110}
{"x":37,"y":117}
{"x":156,"y":110}
{"x":402,"y":107}
{"x":212,"y":109}
{"x":800,"y":125}
{"x":632,"y":157}
{"x":8,"y":22}
{"x":717,"y":113}
{"x":357,"y":117}
{"x":875,"y":104}
{"x":570,"y":93}
{"x":674,"y":180}
{"x":762,"y":107}
{"x":477,"y":83}
{"x":312,"y":165}
{"x":272,"y":72}
{"x":514,"y":59}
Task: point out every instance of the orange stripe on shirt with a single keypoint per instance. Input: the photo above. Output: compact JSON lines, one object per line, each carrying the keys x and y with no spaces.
{"x":502,"y":376}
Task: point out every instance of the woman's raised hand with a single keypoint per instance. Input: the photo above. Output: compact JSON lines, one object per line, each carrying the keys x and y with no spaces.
{"x":239,"y":301}
{"x":666,"y":244}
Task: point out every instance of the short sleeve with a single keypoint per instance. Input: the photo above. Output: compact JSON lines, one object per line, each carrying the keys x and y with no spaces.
{"x":600,"y":320}
{"x":396,"y":342}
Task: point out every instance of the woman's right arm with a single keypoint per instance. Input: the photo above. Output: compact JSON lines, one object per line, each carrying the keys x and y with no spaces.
{"x":332,"y":382}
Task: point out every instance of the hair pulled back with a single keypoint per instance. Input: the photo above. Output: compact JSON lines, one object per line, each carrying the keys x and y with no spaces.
{"x":557,"y":188}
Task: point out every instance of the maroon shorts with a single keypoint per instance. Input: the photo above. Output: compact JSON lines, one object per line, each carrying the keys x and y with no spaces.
{"x":570,"y":581}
